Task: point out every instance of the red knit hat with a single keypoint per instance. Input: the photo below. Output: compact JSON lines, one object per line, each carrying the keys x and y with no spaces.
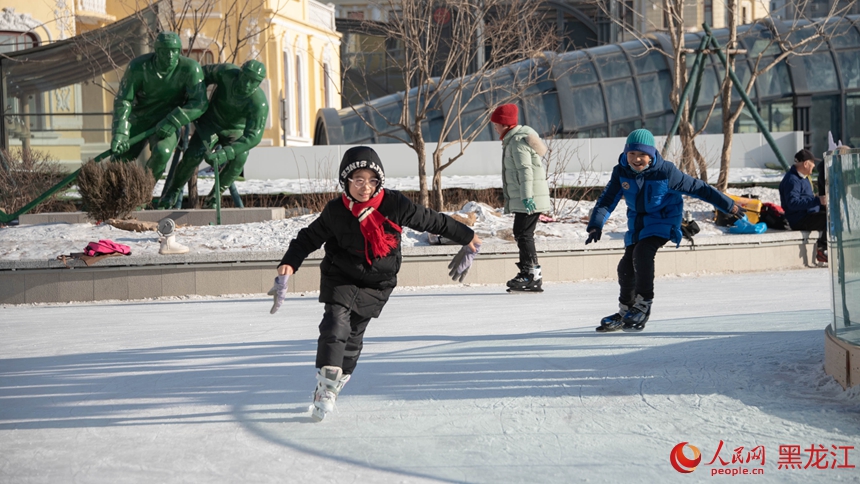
{"x":506,"y":115}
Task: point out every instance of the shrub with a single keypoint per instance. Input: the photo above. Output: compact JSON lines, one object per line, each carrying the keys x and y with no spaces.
{"x":24,"y":175}
{"x":114,"y":189}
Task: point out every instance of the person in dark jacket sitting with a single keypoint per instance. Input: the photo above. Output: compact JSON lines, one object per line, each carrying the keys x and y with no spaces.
{"x":803,"y":209}
{"x":652,"y":188}
{"x":361,"y":231}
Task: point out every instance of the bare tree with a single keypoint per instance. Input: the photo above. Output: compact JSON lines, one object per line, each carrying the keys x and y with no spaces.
{"x":450,"y":55}
{"x":673,"y":22}
{"x":771,"y":46}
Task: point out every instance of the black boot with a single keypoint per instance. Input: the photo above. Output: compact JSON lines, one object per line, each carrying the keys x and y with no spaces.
{"x":530,"y":282}
{"x":520,"y":278}
{"x":638,"y":314}
{"x":614,"y":321}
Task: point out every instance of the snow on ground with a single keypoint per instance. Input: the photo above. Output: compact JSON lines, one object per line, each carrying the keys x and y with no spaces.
{"x":47,"y":241}
{"x":455,"y":384}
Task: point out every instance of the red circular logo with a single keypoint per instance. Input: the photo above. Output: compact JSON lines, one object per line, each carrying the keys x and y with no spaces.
{"x":680,"y":462}
{"x":441,"y":16}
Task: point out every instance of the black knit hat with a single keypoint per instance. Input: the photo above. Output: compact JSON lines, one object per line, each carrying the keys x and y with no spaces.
{"x":356,"y":158}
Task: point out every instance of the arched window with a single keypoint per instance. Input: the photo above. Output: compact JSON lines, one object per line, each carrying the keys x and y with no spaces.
{"x":301,"y":107}
{"x":328,"y":95}
{"x":202,"y":56}
{"x":12,"y":41}
{"x":287,"y":103}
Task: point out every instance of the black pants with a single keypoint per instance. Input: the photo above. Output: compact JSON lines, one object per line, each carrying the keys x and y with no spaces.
{"x":341,"y":338}
{"x":524,"y":234}
{"x":815,"y":221}
{"x":636,"y":269}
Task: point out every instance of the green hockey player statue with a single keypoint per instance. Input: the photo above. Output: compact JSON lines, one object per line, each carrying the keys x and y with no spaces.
{"x":234,"y":120}
{"x":164,"y":90}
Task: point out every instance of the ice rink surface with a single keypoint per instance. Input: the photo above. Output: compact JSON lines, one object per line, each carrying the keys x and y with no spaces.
{"x":455,"y":384}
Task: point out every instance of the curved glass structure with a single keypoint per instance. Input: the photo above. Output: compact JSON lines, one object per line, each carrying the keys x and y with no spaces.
{"x":843,"y":192}
{"x":613,"y":89}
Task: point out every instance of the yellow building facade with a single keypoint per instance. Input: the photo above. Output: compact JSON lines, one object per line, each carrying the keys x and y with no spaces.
{"x":295,"y":39}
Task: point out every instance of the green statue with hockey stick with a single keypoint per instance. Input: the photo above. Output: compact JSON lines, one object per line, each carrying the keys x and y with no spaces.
{"x":235,"y":121}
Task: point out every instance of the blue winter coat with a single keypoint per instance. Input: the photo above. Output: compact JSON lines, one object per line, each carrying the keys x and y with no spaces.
{"x":654,"y":203}
{"x":796,"y":197}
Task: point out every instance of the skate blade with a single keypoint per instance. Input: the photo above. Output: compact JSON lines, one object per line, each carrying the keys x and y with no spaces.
{"x":633,"y":329}
{"x":604,"y":329}
{"x":513,"y":291}
{"x":317,"y":414}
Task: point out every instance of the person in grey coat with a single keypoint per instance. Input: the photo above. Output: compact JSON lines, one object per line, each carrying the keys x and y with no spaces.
{"x":525,"y":189}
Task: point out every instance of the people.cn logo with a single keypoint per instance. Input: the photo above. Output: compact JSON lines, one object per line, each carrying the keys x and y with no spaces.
{"x":680,"y":462}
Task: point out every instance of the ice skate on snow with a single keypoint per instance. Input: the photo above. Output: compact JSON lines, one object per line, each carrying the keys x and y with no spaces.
{"x":528,"y":280}
{"x":638,"y":314}
{"x":330,"y":381}
{"x":614,"y":321}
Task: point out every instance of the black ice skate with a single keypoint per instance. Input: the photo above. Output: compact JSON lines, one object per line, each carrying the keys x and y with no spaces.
{"x":613,"y":322}
{"x":531,"y":281}
{"x":520,"y":277}
{"x":638,"y":314}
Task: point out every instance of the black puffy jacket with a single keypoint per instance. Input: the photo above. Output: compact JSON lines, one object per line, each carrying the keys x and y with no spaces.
{"x":345,"y":277}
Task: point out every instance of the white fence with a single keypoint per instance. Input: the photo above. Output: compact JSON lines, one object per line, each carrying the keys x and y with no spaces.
{"x":484,"y":158}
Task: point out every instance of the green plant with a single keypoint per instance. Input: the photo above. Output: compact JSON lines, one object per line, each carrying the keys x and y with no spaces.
{"x":114,"y":189}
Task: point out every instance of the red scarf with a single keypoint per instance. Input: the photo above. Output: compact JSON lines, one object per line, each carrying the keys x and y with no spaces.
{"x":371,"y":223}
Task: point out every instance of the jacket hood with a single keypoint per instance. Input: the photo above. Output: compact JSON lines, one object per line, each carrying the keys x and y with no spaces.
{"x":530,"y":136}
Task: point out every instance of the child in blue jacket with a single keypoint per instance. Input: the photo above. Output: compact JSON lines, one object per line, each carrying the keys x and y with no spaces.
{"x":652,"y":188}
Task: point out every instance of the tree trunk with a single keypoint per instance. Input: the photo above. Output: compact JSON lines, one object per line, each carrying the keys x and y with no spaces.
{"x":726,"y":93}
{"x":420,"y":151}
{"x":438,"y":203}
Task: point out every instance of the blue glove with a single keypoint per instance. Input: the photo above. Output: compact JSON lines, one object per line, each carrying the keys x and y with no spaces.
{"x":593,"y":236}
{"x":279,"y":291}
{"x":461,"y":262}
{"x":530,"y":205}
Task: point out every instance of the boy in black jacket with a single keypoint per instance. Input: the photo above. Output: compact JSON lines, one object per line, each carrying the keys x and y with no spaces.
{"x":361,"y":232}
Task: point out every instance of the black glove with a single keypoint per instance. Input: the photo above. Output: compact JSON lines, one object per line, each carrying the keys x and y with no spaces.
{"x":593,"y":236}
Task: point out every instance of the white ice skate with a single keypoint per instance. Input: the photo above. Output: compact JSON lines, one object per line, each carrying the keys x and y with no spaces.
{"x":169,"y":245}
{"x":330,"y":381}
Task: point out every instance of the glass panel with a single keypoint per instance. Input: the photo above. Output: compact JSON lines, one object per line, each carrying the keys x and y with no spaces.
{"x":588,"y":106}
{"x":746,"y":123}
{"x":621,"y":130}
{"x":542,"y":113}
{"x":778,"y":116}
{"x":613,"y":66}
{"x":354,"y":130}
{"x":651,"y":62}
{"x":843,"y":185}
{"x":823,"y":117}
{"x":760,"y":40}
{"x":382,"y":115}
{"x":592,"y":133}
{"x":715,"y":123}
{"x":660,"y":125}
{"x":820,"y":72}
{"x":578,"y":71}
{"x":852,"y":117}
{"x":849,"y":64}
{"x":710,"y":86}
{"x":798,"y":36}
{"x":774,"y":82}
{"x":655,"y":92}
{"x":622,"y":99}
{"x":843,"y":35}
{"x":742,"y":70}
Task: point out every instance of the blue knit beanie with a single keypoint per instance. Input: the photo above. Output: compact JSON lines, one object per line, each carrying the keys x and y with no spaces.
{"x":641,"y":140}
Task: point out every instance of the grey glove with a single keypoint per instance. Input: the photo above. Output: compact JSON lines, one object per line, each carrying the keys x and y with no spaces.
{"x":279,"y":291}
{"x":461,"y":262}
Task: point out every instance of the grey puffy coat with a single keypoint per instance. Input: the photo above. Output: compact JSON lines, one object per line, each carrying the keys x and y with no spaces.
{"x":523,"y":174}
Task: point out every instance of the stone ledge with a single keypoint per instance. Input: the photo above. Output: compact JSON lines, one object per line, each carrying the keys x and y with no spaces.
{"x":229,"y":216}
{"x":545,"y":248}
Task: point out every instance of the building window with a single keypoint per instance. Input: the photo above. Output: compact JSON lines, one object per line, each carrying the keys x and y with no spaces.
{"x":627,"y":14}
{"x":202,"y":56}
{"x":12,"y":41}
{"x":299,"y":91}
{"x":287,"y":121}
{"x":709,"y":12}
